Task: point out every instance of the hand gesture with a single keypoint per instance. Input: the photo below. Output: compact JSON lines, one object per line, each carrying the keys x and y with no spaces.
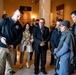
{"x":42,"y":43}
{"x":11,"y":47}
{"x":25,"y":42}
{"x":55,"y":57}
{"x":3,"y":40}
{"x":55,"y":49}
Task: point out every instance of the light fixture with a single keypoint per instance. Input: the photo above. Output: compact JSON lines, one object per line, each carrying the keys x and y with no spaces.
{"x":35,"y":1}
{"x":33,"y":17}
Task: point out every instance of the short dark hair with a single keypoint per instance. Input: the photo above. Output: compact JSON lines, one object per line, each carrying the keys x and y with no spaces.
{"x":73,"y":12}
{"x":59,"y":20}
{"x":37,"y":19}
{"x":21,"y":11}
{"x":4,"y":16}
{"x":42,"y":19}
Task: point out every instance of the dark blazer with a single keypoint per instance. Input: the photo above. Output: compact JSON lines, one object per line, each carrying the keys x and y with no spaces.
{"x":11,"y":31}
{"x":37,"y":35}
{"x":73,"y":27}
{"x":55,"y":38}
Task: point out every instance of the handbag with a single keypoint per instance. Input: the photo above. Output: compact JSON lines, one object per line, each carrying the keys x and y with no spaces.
{"x":29,"y":48}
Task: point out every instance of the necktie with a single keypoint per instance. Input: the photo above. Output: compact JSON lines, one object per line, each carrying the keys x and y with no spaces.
{"x":42,"y":30}
{"x":42,"y":33}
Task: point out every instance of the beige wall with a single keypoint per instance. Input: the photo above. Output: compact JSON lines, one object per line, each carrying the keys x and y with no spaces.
{"x":11,"y":5}
{"x":69,"y":6}
{"x":1,"y":8}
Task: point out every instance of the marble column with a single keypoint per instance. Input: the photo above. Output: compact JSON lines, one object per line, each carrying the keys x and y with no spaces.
{"x":45,"y":11}
{"x":1,"y":8}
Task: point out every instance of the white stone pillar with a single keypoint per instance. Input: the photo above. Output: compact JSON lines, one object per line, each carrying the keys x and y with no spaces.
{"x":45,"y":11}
{"x":1,"y":8}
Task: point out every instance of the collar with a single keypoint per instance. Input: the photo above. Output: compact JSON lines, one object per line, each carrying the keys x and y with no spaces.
{"x":11,"y":20}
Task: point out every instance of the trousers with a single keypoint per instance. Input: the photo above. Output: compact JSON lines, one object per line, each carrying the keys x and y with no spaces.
{"x":6,"y":61}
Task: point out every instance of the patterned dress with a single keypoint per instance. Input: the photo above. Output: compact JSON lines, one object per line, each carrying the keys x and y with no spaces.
{"x":27,"y":37}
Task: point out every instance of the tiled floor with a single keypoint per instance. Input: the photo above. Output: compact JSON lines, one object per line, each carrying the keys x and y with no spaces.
{"x":30,"y":71}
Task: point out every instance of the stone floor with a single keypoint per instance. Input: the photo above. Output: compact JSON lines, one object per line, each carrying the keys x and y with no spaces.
{"x":30,"y":71}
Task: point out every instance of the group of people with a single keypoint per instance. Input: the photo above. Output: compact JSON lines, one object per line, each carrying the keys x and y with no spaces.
{"x":35,"y":37}
{"x":62,"y":42}
{"x":63,"y":46}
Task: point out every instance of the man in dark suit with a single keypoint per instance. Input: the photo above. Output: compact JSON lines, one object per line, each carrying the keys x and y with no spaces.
{"x":32,"y":28}
{"x":73,"y":16}
{"x":54,"y":40}
{"x":40,"y":35}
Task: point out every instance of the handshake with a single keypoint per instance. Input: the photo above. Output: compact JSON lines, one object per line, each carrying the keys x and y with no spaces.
{"x":42,"y":43}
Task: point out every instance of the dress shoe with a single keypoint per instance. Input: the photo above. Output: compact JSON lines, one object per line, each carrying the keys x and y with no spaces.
{"x":44,"y":72}
{"x":35,"y":72}
{"x":13,"y":72}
